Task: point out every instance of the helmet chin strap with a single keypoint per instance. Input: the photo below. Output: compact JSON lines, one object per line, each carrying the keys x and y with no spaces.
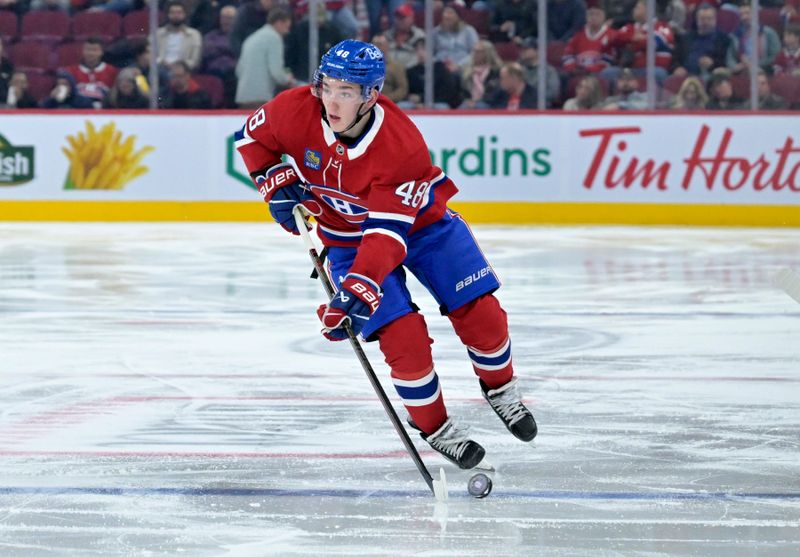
{"x":357,"y":119}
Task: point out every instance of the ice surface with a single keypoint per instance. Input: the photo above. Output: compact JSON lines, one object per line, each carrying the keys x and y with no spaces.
{"x":164,"y":391}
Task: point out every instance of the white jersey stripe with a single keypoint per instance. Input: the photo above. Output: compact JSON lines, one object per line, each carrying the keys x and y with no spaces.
{"x":391,"y":216}
{"x":356,"y":234}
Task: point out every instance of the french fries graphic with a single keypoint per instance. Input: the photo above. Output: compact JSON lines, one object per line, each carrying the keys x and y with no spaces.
{"x":100,"y":159}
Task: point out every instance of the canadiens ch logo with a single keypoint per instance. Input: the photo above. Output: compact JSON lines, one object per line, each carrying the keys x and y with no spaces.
{"x":347,"y":206}
{"x":313,"y":159}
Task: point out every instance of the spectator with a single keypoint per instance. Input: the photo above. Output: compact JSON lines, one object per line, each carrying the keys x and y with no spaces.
{"x":720,"y":91}
{"x":705,"y":48}
{"x":18,"y":7}
{"x":126,"y":93}
{"x":203,"y":14}
{"x":627,"y":96}
{"x":590,"y":49}
{"x":338,"y":12}
{"x":529,"y":59}
{"x":250,"y":17}
{"x":297,"y":43}
{"x":50,"y":5}
{"x":767,"y":100}
{"x":446,"y":84}
{"x":218,"y":56}
{"x":184,"y":92}
{"x":631,"y":43}
{"x":453,"y":40}
{"x":177,"y":42}
{"x":17,"y":95}
{"x":375,"y":9}
{"x":65,"y":94}
{"x":141,"y":61}
{"x":618,"y":12}
{"x":395,"y":85}
{"x":514,"y":92}
{"x":119,"y":6}
{"x":260,"y":68}
{"x":787,"y":61}
{"x":588,"y":95}
{"x":673,"y":13}
{"x":480,"y":77}
{"x":565,"y":18}
{"x":768,"y":42}
{"x":513,"y":20}
{"x":6,"y":69}
{"x":94,"y":77}
{"x":403,"y":35}
{"x":691,"y":95}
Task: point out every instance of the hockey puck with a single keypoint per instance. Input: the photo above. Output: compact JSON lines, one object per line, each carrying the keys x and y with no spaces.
{"x":479,"y":486}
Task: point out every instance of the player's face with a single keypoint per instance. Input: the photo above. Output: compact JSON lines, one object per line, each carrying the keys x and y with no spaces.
{"x":342,"y":101}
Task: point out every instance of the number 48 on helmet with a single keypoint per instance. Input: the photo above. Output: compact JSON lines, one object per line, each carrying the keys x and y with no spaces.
{"x":355,"y":62}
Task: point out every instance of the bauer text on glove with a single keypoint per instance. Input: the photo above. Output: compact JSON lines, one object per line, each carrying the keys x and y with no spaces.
{"x":356,"y":301}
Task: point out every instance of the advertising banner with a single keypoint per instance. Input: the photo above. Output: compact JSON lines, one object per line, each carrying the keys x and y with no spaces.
{"x":549,"y":160}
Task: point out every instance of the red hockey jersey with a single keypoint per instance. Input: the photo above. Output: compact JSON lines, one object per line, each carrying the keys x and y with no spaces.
{"x":589,"y":51}
{"x":94,"y":83}
{"x":374,"y":193}
{"x":664,"y":37}
{"x":787,"y":62}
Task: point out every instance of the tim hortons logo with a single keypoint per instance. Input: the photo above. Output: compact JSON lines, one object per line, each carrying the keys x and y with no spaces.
{"x":709,"y":165}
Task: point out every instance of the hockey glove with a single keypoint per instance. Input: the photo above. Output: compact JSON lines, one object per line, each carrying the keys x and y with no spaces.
{"x":356,"y":301}
{"x":282,"y":189}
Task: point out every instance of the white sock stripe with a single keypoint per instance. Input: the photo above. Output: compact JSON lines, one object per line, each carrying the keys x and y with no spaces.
{"x":423,"y":401}
{"x":499,"y":352}
{"x":415,"y":382}
{"x":486,"y":367}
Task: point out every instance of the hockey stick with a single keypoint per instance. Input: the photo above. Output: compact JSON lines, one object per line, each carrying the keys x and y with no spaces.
{"x":437,"y":487}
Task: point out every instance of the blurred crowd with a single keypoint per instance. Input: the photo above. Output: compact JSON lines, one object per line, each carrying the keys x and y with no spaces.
{"x":486,"y":55}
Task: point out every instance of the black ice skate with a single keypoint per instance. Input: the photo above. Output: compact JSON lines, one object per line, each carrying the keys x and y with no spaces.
{"x":507,"y":403}
{"x":452,"y":443}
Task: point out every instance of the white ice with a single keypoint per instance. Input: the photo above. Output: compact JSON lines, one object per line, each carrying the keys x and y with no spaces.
{"x":164,"y":391}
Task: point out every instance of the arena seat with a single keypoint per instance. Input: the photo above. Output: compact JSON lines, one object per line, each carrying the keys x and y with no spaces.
{"x":9,"y":26}
{"x":31,"y":57}
{"x":212,"y":85}
{"x":40,"y":85}
{"x":45,"y":26}
{"x":104,"y":25}
{"x":136,"y":24}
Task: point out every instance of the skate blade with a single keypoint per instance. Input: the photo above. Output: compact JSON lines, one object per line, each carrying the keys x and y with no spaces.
{"x":485,"y":466}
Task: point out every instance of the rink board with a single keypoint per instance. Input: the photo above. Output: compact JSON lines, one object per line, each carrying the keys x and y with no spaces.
{"x":525,"y":168}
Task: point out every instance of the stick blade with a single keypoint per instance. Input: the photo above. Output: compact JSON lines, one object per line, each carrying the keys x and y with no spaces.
{"x":788,"y":281}
{"x":440,"y":487}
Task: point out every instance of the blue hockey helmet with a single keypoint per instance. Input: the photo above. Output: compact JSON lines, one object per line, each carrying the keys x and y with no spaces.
{"x":354,"y":62}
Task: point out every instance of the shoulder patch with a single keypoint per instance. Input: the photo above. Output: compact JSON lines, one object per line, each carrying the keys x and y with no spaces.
{"x":312,"y":159}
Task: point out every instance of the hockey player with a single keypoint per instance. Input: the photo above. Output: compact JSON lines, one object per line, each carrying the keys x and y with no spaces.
{"x":363,"y":169}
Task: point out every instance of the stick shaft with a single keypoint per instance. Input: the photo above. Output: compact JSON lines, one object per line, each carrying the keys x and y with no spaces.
{"x":362,"y":357}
